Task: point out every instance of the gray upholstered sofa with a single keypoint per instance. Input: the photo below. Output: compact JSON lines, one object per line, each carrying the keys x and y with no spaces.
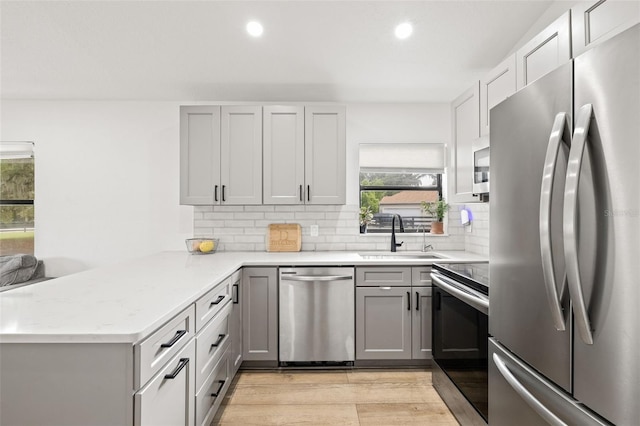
{"x":20,"y":270}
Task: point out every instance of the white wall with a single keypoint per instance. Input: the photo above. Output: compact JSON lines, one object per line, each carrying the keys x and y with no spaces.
{"x":107,"y":179}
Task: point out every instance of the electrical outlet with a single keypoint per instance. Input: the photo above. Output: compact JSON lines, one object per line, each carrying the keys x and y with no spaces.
{"x":314,"y":230}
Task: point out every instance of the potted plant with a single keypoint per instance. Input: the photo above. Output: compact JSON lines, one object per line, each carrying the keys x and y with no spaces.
{"x":366,"y":216}
{"x":437,"y":210}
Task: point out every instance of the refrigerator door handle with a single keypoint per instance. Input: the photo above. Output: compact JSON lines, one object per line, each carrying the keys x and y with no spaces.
{"x":569,"y":222}
{"x":546,"y":191}
{"x":521,"y":390}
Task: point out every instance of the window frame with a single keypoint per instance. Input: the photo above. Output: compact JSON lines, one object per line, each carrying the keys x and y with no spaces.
{"x":438,"y":187}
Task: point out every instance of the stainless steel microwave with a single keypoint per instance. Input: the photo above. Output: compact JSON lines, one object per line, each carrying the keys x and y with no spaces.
{"x":480,"y":148}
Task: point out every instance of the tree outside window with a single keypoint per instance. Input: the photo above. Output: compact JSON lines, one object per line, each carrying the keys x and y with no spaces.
{"x":17,"y":191}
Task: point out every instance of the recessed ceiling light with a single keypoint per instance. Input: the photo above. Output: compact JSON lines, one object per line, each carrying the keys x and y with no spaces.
{"x":255,"y":29}
{"x":404,"y":30}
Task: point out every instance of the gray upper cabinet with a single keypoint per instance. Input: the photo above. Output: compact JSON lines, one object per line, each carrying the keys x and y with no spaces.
{"x":325,"y":155}
{"x":545,"y":52}
{"x":284,"y":155}
{"x":241,"y":155}
{"x":465,"y":113}
{"x":495,"y":87}
{"x":199,"y":154}
{"x":220,"y":155}
{"x":246,"y":154}
{"x":259,"y":292}
{"x":595,"y":21}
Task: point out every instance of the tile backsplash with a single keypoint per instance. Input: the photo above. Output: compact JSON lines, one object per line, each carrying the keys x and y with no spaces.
{"x":244,"y":228}
{"x":476,"y":239}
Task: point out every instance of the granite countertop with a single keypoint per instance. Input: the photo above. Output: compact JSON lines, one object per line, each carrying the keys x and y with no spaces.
{"x":124,"y":303}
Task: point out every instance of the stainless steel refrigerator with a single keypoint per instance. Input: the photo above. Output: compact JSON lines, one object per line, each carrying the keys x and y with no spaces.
{"x":564,"y":247}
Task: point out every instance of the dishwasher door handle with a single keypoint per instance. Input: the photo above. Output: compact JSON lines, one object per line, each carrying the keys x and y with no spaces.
{"x":315,"y":277}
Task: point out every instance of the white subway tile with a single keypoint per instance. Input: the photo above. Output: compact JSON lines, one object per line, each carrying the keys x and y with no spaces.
{"x":239,"y":223}
{"x":279,"y":216}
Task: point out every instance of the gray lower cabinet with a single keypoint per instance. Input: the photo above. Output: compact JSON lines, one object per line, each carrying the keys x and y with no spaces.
{"x":259,"y":295}
{"x":393,"y":313}
{"x":169,"y":397}
{"x":421,"y":323}
{"x":235,"y":323}
{"x":383,"y":323}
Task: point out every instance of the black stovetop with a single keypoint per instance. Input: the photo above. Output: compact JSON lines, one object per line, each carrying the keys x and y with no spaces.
{"x":475,"y":275}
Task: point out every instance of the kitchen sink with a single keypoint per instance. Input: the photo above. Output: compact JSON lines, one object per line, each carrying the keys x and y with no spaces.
{"x":402,"y":255}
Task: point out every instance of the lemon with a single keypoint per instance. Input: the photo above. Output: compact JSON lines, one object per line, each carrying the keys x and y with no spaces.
{"x":206,"y":246}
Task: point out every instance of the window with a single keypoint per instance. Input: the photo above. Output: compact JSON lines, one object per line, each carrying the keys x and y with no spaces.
{"x":397,"y":179}
{"x":16,"y":197}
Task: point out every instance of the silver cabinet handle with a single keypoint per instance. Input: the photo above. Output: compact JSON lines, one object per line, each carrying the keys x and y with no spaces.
{"x":546,"y":191}
{"x":477,"y":302}
{"x":570,"y":213}
{"x":531,"y":400}
{"x":315,"y":277}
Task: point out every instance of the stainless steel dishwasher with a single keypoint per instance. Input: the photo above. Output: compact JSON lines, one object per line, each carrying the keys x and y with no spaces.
{"x":317,"y":315}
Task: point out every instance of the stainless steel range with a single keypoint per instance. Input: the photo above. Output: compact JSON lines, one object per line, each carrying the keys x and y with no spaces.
{"x":460,"y":338}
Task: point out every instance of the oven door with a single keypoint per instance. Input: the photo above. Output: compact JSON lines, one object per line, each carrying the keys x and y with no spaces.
{"x":460,"y":339}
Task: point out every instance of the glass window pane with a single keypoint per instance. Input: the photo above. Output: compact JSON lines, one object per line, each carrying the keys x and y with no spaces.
{"x":17,"y":179}
{"x":16,"y":229}
{"x":406,"y":203}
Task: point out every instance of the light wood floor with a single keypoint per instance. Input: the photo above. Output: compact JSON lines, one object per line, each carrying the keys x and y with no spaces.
{"x":353,"y":397}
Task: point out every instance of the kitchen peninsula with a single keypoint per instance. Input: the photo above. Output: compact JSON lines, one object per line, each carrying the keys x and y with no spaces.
{"x":90,"y":347}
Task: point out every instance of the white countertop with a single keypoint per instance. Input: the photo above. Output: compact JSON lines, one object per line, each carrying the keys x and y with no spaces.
{"x":123,"y":303}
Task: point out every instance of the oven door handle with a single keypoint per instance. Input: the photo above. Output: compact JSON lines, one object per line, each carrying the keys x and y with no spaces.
{"x":477,"y":302}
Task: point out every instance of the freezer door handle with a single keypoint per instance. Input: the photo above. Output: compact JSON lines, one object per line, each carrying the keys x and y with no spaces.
{"x":570,"y":217}
{"x":546,"y":192}
{"x":521,"y":390}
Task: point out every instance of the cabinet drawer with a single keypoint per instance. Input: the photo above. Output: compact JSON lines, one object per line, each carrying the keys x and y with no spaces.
{"x":376,"y":276}
{"x":156,"y":350}
{"x":168,"y":397}
{"x":212,"y":393}
{"x":211,"y":303}
{"x":211,"y":342}
{"x":421,"y":276}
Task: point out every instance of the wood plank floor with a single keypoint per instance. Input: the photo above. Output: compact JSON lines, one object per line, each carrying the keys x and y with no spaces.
{"x":350,"y":397}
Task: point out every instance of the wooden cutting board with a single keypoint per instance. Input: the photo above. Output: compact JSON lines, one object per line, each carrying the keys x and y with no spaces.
{"x":284,"y":237}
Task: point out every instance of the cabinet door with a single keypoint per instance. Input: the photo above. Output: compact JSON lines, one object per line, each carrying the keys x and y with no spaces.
{"x":241,"y":155}
{"x":546,"y":52}
{"x":498,"y":85}
{"x":199,"y":154}
{"x":465,"y":113}
{"x":383,"y":323}
{"x":283,"y":142}
{"x":168,"y":399}
{"x":421,"y":323}
{"x":260,"y":314}
{"x":325,"y":155}
{"x":595,"y":21}
{"x":235,"y":323}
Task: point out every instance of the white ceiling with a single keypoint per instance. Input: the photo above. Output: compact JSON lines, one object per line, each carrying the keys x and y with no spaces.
{"x":338,"y":51}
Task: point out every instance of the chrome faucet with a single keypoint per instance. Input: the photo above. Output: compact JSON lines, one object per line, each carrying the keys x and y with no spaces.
{"x":393,"y":231}
{"x":425,"y":247}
